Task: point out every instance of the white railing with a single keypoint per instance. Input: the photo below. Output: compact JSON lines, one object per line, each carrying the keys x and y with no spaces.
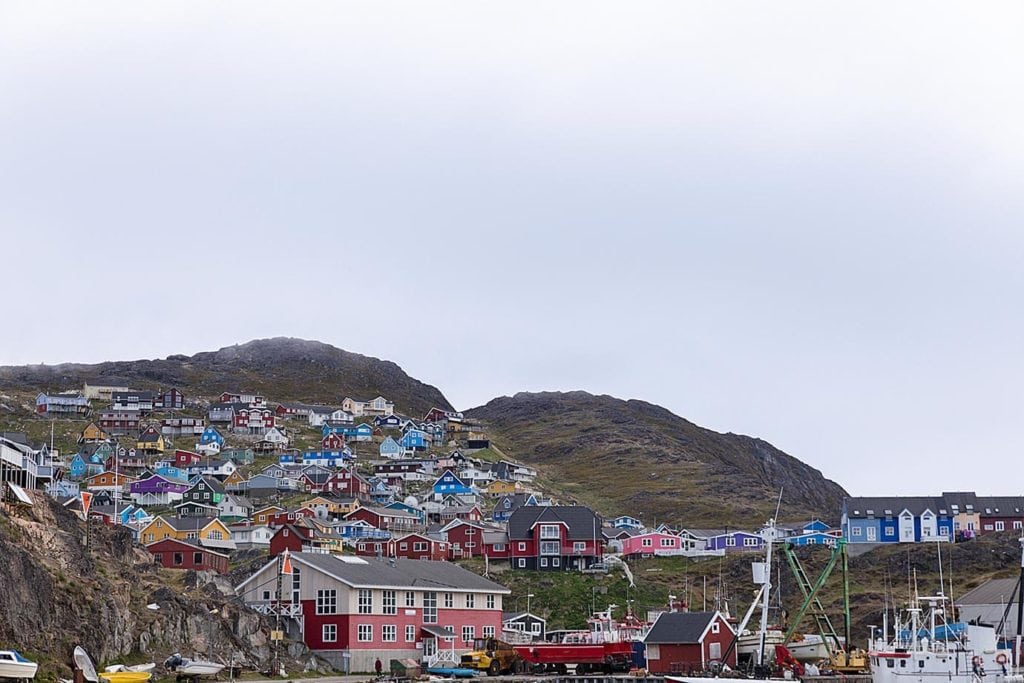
{"x":275,"y":608}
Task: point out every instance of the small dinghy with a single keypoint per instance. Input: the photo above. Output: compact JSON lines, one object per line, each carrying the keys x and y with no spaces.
{"x":192,"y":668}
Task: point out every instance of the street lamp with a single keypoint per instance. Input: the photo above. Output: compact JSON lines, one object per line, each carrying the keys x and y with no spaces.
{"x":528,"y":596}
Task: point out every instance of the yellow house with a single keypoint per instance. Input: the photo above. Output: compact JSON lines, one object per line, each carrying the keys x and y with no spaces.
{"x":263,"y":515}
{"x":205,"y":530}
{"x":93,"y":434}
{"x":233,"y":478}
{"x":334,"y":506}
{"x":150,"y":441}
{"x":501,"y":488}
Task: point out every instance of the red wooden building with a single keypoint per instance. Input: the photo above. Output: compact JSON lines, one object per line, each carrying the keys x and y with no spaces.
{"x":686,"y":642}
{"x":174,"y":554}
{"x":411,"y":546}
{"x":332,"y":442}
{"x":185,"y":459}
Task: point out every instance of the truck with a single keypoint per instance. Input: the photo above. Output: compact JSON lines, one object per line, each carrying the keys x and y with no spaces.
{"x":491,"y":655}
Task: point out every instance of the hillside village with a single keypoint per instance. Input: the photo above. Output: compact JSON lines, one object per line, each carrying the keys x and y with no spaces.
{"x":201,"y":481}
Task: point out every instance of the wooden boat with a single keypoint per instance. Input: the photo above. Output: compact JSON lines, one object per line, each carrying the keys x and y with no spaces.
{"x":14,"y":665}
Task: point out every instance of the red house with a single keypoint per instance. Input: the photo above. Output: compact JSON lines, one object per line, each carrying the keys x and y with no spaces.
{"x":466,"y":538}
{"x":349,"y":483}
{"x":332,"y":442}
{"x":411,"y":546}
{"x":284,"y":518}
{"x":185,"y":459}
{"x":174,"y":554}
{"x":386,"y":519}
{"x":686,"y":642}
{"x":555,"y":537}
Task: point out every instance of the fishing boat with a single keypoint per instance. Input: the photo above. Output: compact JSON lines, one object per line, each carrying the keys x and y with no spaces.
{"x":14,"y":665}
{"x":925,"y":645}
{"x":811,"y":647}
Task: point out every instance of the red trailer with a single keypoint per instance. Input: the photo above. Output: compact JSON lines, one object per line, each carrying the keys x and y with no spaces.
{"x":588,"y":657}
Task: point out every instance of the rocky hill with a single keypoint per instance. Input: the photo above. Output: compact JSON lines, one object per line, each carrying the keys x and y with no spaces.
{"x":631,"y":456}
{"x":282,"y":368}
{"x":56,"y":593}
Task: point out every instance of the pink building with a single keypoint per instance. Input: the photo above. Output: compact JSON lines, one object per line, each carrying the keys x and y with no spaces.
{"x":352,"y":610}
{"x":652,"y":544}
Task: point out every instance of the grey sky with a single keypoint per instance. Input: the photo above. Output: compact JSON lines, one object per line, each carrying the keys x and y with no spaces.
{"x":799,"y":221}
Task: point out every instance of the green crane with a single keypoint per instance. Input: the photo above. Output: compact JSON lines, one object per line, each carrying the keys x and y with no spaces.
{"x":810,"y":592}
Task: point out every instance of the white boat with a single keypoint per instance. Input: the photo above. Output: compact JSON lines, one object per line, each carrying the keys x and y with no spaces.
{"x":192,"y":667}
{"x":810,"y":647}
{"x":141,"y":668}
{"x":927,"y":647}
{"x":14,"y":665}
{"x":748,"y":643}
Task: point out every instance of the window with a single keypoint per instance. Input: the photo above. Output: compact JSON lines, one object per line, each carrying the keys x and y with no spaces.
{"x":327,"y":601}
{"x":419,"y":546}
{"x":429,"y":607}
{"x":549,"y":548}
{"x":330,"y":633}
{"x":197,"y":558}
{"x":389,"y":602}
{"x":490,"y":601}
{"x":855,"y":531}
{"x":543,"y":561}
{"x":449,"y":600}
{"x":468,"y":633}
{"x":522,"y":547}
{"x":549,"y":531}
{"x":364,"y":633}
{"x":730,"y":541}
{"x":535,"y":627}
{"x":488,"y":632}
{"x":522,"y":562}
{"x":668,"y":543}
{"x":410,"y":599}
{"x":715,"y":626}
{"x":410,"y":633}
{"x":365,"y":601}
{"x":556,"y":561}
{"x":646,"y":542}
{"x":499,"y":547}
{"x":266,"y":595}
{"x":389,"y":633}
{"x":750,"y":542}
{"x":1000,"y":526}
{"x":470,"y":601}
{"x":1017,"y":524}
{"x":178,"y":559}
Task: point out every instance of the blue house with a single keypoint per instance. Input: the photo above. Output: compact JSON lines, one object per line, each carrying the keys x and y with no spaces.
{"x":398,"y":505}
{"x":389,"y":448}
{"x":734,"y":541}
{"x":388,"y":421}
{"x":286,"y":458}
{"x":76,"y":468}
{"x":359,"y":432}
{"x":448,"y":483}
{"x":627,"y":522}
{"x":904,"y":519}
{"x":210,"y":435}
{"x":172,"y":472}
{"x":415,"y":440}
{"x":325,"y":458}
{"x":813,"y":538}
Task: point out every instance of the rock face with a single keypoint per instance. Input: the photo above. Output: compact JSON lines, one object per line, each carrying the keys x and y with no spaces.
{"x":55,"y":593}
{"x":628,"y":457}
{"x":283,"y":368}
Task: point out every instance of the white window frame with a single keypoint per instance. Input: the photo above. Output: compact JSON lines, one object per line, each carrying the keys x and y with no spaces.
{"x":332,"y":629}
{"x":389,"y":633}
{"x":364,"y":633}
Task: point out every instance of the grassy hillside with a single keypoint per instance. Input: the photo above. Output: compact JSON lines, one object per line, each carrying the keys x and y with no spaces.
{"x":283,"y":369}
{"x":634,"y":457}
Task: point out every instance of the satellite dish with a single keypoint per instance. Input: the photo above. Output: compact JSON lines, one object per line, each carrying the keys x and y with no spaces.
{"x":84,"y":662}
{"x":411,"y":501}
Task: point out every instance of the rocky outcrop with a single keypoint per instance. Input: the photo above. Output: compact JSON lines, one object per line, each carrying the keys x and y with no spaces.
{"x":109,"y":597}
{"x":627,"y":457}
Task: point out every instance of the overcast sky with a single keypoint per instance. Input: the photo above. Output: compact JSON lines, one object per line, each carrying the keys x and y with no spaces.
{"x":799,"y":221}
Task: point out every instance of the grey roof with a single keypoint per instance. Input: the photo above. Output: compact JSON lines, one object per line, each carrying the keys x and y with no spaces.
{"x":141,"y":395}
{"x":993,"y":592}
{"x":679,"y":627}
{"x":186,"y":523}
{"x":398,"y":573}
{"x":581,"y":521}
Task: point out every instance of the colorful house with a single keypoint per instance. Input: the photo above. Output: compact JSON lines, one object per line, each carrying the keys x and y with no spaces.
{"x":556,"y":537}
{"x":389,"y":448}
{"x":157,"y":490}
{"x":171,"y":553}
{"x":211,"y":438}
{"x":62,"y":405}
{"x":905,"y":519}
{"x":687,"y":642}
{"x":449,"y":483}
{"x":150,"y":441}
{"x":415,"y":440}
{"x":93,"y":434}
{"x":207,"y":531}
